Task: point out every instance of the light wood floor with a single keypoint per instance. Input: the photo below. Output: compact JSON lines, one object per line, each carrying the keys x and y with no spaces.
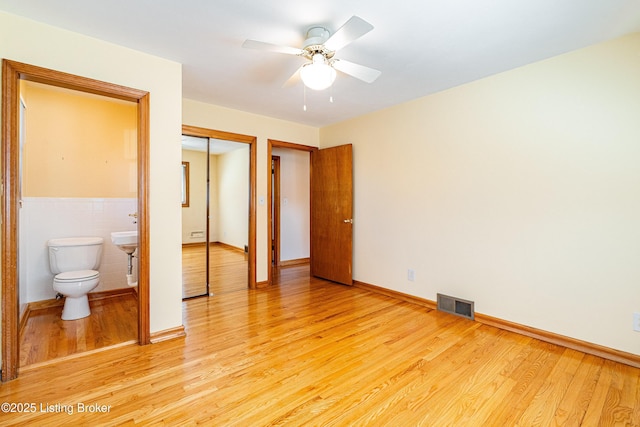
{"x":228,"y":270}
{"x":310,"y":352}
{"x":114,"y":320}
{"x":46,"y":336}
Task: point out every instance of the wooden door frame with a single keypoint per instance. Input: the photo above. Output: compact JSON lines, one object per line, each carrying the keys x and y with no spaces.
{"x":274,"y":209}
{"x":12,"y":73}
{"x":252,"y":141}
{"x":271,"y":143}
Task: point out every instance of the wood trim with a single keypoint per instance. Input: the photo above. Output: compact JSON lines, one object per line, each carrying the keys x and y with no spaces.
{"x":291,"y":145}
{"x":546,"y":336}
{"x":395,"y":294}
{"x":111,"y":293}
{"x":274,"y":209}
{"x":195,"y":244}
{"x":269,"y":214}
{"x":218,"y":134}
{"x":562,"y":340}
{"x":12,"y":73}
{"x":271,"y":143}
{"x":93,"y":296}
{"x":61,"y":79}
{"x":168,"y":334}
{"x":144,"y":266}
{"x":292,"y":262}
{"x":10,"y":337}
{"x":228,"y":246}
{"x":24,"y":318}
{"x":45,"y":303}
{"x":252,"y":141}
{"x":263,"y":284}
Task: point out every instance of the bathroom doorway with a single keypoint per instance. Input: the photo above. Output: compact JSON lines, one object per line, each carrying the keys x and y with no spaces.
{"x":72,"y":187}
{"x":14,"y":305}
{"x":218,"y":215}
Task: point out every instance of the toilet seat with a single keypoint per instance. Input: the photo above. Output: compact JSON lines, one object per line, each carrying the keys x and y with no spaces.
{"x":75,"y":276}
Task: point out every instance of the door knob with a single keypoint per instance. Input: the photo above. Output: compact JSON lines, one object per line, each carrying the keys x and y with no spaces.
{"x":349,"y":221}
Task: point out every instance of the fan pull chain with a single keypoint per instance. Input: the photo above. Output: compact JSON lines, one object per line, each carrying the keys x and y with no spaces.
{"x":304,"y":98}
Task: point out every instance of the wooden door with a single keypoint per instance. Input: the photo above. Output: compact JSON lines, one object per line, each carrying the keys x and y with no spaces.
{"x":332,"y":214}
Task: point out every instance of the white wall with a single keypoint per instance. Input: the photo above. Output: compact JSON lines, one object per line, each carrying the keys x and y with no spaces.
{"x":232,"y":175}
{"x":45,"y":46}
{"x":520,"y":191}
{"x":295,"y":212}
{"x":209,"y":116}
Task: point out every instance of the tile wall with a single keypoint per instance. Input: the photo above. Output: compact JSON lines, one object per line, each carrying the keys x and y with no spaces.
{"x":43,"y":218}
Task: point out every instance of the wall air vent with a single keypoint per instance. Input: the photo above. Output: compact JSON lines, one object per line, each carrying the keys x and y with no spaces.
{"x":457,"y":306}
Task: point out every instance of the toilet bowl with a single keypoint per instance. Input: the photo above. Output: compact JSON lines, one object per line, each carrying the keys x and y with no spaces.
{"x":75,"y":285}
{"x":75,"y":262}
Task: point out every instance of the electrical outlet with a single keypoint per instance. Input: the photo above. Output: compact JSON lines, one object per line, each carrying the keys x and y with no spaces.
{"x":411,"y":275}
{"x":636,"y":321}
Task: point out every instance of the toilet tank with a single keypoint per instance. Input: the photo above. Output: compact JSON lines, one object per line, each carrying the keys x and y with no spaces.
{"x":74,"y":253}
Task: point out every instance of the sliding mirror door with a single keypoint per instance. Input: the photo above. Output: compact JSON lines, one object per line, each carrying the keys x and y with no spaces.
{"x":228,"y":256}
{"x":215,"y":216}
{"x":196,"y":196}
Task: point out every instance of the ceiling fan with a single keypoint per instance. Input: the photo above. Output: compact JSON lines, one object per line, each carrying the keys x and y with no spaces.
{"x":320,"y":47}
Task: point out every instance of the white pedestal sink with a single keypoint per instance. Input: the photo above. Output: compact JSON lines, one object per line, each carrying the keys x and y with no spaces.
{"x":126,"y":241}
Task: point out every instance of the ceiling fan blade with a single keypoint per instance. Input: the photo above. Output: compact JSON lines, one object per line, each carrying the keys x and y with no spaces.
{"x":255,"y":44}
{"x":358,"y":71}
{"x":353,"y":29}
{"x":293,"y":80}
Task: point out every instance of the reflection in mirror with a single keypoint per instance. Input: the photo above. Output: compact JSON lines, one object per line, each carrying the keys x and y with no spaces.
{"x":215,"y":224}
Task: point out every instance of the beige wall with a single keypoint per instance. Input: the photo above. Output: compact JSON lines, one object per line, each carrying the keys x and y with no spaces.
{"x":520,"y":191}
{"x":209,"y":116}
{"x":194,"y":217}
{"x":77,"y":145}
{"x":45,"y":46}
{"x":228,"y":200}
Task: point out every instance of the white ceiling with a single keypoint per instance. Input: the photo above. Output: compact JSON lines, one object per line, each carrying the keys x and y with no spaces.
{"x":421,"y":46}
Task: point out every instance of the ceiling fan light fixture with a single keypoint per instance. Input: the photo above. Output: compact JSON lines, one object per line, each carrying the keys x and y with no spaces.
{"x":318,"y":75}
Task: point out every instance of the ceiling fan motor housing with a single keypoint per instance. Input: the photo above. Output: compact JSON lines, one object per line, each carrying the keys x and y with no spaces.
{"x":316,"y":35}
{"x":314,"y":43}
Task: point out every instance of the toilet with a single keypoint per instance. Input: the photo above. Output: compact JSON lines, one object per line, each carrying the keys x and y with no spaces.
{"x":75,"y":262}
